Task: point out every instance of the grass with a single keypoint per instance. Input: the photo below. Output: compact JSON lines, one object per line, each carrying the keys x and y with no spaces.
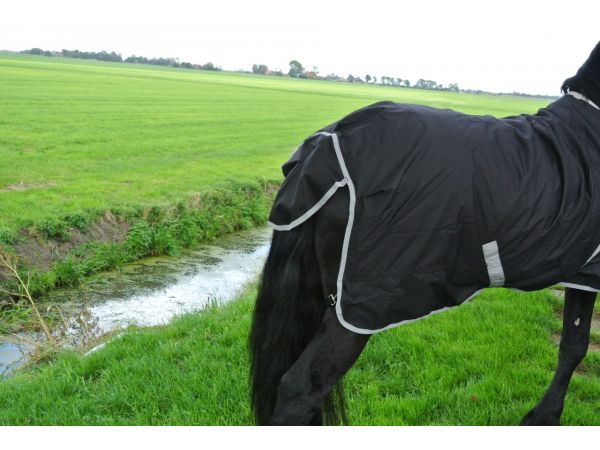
{"x":484,"y":363}
{"x":79,"y":136}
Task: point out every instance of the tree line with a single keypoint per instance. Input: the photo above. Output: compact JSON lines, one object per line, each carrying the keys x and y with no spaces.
{"x":116,"y":57}
{"x":297,"y":70}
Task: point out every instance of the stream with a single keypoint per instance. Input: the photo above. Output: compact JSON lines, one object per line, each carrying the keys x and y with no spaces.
{"x":154,"y":290}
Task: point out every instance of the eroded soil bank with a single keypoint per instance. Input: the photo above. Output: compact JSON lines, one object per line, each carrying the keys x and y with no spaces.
{"x":63,"y":252}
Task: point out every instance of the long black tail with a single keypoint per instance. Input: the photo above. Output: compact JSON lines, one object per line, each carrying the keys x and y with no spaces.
{"x":289,"y":309}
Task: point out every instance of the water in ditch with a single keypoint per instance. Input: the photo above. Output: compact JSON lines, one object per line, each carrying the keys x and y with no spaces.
{"x":154,"y":290}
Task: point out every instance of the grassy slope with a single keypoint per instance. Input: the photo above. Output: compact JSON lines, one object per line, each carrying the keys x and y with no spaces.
{"x":486,"y":362}
{"x":90,"y":135}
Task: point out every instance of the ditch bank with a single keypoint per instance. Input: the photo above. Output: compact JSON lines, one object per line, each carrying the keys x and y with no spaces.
{"x":146,"y":293}
{"x":63,"y":252}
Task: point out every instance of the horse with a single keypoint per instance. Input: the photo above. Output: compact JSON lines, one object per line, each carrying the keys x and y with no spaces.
{"x":352,"y":252}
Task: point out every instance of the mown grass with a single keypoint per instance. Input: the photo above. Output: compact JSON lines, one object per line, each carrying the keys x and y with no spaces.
{"x":484,"y":363}
{"x":80,"y":136}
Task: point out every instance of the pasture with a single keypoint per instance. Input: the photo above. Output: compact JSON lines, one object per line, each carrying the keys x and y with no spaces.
{"x":79,"y":138}
{"x":82,"y":135}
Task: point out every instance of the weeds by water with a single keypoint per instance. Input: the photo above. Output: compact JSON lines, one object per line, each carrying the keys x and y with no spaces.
{"x":9,"y":264}
{"x":75,"y":331}
{"x":153,"y":231}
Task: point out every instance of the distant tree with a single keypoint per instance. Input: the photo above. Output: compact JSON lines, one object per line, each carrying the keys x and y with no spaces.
{"x":210,"y":66}
{"x":374,"y":79}
{"x":69,"y":53}
{"x":136,"y":59}
{"x":453,"y":87}
{"x":333,"y":77}
{"x":296,"y":69}
{"x":102,"y":56}
{"x":426,"y":84}
{"x":187,"y":65}
{"x":260,"y":69}
{"x":350,"y":78}
{"x":398,"y":81}
{"x":368,"y":78}
{"x":406,"y":83}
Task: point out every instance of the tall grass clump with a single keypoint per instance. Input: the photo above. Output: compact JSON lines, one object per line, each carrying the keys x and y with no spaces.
{"x":139,"y":239}
{"x":79,"y":221}
{"x":53,"y":228}
{"x":7,"y":236}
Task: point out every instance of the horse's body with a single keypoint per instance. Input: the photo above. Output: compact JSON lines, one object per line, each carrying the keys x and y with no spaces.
{"x":399,"y":211}
{"x":444,"y":204}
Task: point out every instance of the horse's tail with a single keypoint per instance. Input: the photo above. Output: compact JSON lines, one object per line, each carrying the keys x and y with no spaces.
{"x":289,"y":308}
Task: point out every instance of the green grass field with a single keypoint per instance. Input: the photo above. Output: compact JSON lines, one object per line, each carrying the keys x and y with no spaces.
{"x":81,"y":136}
{"x":483,"y":363}
{"x":84,"y":135}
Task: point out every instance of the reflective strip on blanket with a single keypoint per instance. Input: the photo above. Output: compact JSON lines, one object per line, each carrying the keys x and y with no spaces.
{"x":494,"y":265}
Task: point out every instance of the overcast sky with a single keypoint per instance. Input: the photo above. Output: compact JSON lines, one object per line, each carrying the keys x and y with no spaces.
{"x":501,"y":46}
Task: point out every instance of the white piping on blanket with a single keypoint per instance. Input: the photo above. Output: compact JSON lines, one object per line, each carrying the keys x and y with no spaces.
{"x":583,"y":98}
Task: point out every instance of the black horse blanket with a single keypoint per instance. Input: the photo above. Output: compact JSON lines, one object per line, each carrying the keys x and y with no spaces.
{"x":443,"y":204}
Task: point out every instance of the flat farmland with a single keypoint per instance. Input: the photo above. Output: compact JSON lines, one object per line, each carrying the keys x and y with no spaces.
{"x":79,"y":136}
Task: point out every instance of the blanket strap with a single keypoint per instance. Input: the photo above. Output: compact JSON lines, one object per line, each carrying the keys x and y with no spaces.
{"x":583,"y":98}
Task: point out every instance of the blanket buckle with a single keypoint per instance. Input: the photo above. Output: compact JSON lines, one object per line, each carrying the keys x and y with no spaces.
{"x":332,"y":298}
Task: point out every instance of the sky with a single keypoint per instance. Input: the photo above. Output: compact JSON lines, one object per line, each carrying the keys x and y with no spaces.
{"x":499,"y":46}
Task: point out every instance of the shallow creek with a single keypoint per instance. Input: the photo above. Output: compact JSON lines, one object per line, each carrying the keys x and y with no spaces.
{"x":154,"y":290}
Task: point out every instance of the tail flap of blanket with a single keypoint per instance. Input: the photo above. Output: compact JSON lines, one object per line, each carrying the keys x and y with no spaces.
{"x":312,"y":176}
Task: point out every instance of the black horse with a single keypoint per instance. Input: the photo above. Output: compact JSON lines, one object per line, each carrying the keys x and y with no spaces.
{"x":351,"y":255}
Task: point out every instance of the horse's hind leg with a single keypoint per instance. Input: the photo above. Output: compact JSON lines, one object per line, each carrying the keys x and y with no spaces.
{"x":333,"y":349}
{"x":579,"y":307}
{"x":325,"y":360}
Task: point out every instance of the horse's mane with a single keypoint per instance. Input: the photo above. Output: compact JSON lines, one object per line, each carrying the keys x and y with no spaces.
{"x":587,"y":79}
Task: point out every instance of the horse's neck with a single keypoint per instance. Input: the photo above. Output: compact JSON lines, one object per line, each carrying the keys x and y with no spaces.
{"x":587,"y":79}
{"x":590,"y":76}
